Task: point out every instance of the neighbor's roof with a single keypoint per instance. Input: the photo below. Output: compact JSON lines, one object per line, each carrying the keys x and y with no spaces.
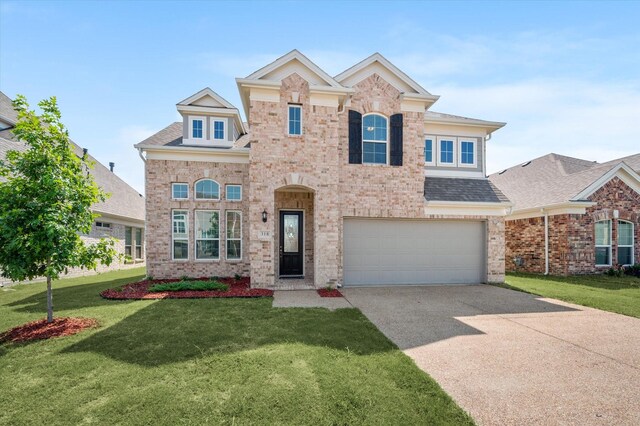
{"x":124,"y":201}
{"x":172,"y":136}
{"x":554,"y":179}
{"x":465,"y":190}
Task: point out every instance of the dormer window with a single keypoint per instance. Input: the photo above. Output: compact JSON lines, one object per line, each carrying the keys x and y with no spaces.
{"x":197,"y":127}
{"x":375,"y":139}
{"x":218,"y":130}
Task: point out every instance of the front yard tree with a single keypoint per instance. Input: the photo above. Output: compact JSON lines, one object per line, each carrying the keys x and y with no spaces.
{"x":46,"y":194}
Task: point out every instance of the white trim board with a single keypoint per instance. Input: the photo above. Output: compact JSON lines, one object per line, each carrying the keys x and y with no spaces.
{"x":622,"y":171}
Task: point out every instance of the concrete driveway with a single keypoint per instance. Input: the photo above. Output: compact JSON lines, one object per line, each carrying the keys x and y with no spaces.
{"x":512,"y":358}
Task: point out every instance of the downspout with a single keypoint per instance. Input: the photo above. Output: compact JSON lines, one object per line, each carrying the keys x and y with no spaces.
{"x":484,"y":153}
{"x":141,"y":156}
{"x":546,"y":242}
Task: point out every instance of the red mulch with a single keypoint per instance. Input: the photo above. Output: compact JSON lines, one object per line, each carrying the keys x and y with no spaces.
{"x":323,"y":292}
{"x":40,"y":329}
{"x":139,"y":290}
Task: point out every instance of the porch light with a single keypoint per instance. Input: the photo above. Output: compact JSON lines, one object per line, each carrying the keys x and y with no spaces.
{"x":264,"y":216}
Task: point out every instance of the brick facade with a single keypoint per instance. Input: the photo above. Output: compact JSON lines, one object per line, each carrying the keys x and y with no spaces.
{"x":572,"y":236}
{"x":160,"y":174}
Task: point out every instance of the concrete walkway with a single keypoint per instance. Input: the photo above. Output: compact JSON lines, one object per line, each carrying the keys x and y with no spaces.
{"x":510,"y":358}
{"x":307,"y":299}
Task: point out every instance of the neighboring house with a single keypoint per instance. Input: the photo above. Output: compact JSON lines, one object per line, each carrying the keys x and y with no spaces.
{"x":121,"y":215}
{"x":334,"y":180}
{"x":572,"y":216}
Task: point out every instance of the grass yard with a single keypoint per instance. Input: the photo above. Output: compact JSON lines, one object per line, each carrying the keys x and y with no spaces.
{"x":197,"y":361}
{"x":614,"y":294}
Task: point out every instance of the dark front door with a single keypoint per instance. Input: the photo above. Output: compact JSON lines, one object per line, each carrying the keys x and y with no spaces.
{"x":291,"y":248}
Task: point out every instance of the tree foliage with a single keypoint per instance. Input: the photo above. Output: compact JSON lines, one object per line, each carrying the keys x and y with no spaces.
{"x":46,"y":194}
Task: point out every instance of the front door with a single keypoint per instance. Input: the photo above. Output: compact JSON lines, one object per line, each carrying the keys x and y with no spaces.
{"x":291,"y":247}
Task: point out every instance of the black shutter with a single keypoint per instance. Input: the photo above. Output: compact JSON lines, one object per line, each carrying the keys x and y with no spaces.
{"x":396,"y":140}
{"x":355,"y":137}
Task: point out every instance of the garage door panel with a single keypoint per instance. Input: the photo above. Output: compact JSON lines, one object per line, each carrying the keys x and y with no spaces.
{"x":387,"y":252}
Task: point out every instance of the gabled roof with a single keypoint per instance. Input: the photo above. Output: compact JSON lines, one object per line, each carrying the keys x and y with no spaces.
{"x":218,"y":101}
{"x":269,"y":72}
{"x":366,"y":67}
{"x":171,"y":136}
{"x":124,"y":202}
{"x":553,"y":180}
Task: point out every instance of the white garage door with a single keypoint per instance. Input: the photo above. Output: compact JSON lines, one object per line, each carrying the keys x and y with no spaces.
{"x":387,"y":252}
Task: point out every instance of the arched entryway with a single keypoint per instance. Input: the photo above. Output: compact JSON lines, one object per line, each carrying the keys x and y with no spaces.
{"x":294,"y":237}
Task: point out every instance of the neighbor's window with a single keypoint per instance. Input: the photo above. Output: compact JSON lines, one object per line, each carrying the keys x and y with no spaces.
{"x":138,"y":243}
{"x":375,"y":138}
{"x":428,"y":151}
{"x":295,"y":120}
{"x":603,"y":243}
{"x":128,"y":237}
{"x":446,"y":151}
{"x":180,"y":234}
{"x":234,"y":235}
{"x":467,"y":153}
{"x":207,"y":189}
{"x":197,"y":126}
{"x":207,"y":234}
{"x":179,"y":191}
{"x":625,"y":243}
{"x":234,"y":193}
{"x":218,"y":129}
{"x":103,"y":225}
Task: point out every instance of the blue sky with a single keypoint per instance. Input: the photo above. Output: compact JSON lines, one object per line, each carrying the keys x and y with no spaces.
{"x":564,"y":76}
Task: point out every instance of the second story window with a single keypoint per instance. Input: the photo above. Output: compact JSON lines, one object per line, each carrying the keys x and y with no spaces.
{"x":197,"y":128}
{"x":428,"y":151}
{"x":467,"y":153}
{"x":234,"y":193}
{"x":295,"y":119}
{"x":375,"y":139}
{"x":218,"y":130}
{"x":446,"y":154}
{"x":207,"y":189}
{"x":179,"y":191}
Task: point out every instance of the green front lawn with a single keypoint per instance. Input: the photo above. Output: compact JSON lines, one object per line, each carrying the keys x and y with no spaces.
{"x":614,"y":294}
{"x":197,"y":361}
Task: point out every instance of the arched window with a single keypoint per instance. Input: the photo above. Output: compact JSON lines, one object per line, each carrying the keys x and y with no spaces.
{"x":375,"y":139}
{"x":603,"y":243}
{"x":207,"y":189}
{"x":625,"y":243}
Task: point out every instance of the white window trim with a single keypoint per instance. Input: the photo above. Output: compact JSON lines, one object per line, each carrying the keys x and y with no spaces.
{"x":610,"y":242}
{"x":132,"y":244}
{"x":179,"y":183}
{"x":204,"y":129}
{"x":455,"y":145}
{"x":213,"y":129}
{"x":226,"y":192}
{"x":196,"y":239}
{"x":289,"y":106}
{"x":475,"y":153}
{"x":195,"y":193}
{"x":173,"y":238}
{"x":387,"y":142}
{"x":633,"y":241}
{"x":433,"y":150}
{"x":135,"y":241}
{"x":227,"y":239}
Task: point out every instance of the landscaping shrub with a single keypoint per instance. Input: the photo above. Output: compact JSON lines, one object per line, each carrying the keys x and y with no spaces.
{"x":189,"y":286}
{"x":633,"y":270}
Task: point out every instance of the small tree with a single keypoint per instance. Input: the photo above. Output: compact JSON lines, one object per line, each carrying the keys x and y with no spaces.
{"x":45,"y":202}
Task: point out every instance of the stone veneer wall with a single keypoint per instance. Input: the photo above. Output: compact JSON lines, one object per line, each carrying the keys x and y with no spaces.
{"x":318,"y":162}
{"x":160,"y":174}
{"x":572,"y":236}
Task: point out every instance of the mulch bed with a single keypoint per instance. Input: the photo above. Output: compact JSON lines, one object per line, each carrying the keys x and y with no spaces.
{"x":139,"y":290}
{"x":38,"y":330}
{"x":323,"y":292}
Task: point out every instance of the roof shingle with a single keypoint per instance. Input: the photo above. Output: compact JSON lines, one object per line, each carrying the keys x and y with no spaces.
{"x":460,"y":189}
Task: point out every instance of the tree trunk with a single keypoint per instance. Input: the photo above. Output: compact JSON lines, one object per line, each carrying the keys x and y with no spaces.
{"x":49,"y":300}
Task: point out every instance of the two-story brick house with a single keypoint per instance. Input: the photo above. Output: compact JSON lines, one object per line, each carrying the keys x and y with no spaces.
{"x":334,"y":180}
